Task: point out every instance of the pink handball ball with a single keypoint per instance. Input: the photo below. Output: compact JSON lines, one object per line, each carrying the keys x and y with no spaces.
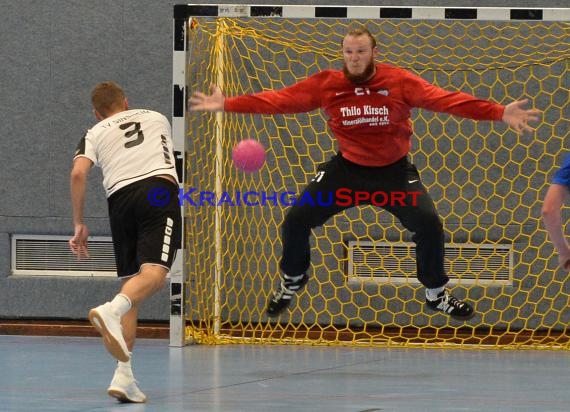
{"x":248,"y":155}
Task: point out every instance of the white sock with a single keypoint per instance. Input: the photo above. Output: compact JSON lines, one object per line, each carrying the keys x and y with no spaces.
{"x":121,"y":304}
{"x":125,"y":367}
{"x":431,"y":294}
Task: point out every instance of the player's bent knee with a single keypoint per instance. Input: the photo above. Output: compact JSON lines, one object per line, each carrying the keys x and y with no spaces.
{"x":158,"y":274}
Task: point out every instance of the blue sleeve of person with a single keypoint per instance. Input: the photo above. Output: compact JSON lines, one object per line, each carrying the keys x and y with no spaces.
{"x":562,"y":175}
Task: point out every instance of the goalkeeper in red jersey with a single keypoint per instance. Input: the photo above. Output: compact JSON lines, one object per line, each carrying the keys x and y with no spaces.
{"x":368,"y":106}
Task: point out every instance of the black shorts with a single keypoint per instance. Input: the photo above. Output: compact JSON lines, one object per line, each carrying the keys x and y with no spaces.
{"x":145,"y":224}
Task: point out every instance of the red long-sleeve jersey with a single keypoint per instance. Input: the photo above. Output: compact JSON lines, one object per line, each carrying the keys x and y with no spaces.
{"x":371,"y":121}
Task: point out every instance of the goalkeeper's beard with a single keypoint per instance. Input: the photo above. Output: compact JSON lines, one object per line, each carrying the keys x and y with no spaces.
{"x":362,"y":77}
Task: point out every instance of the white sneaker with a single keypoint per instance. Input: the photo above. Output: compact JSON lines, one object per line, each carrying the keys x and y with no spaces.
{"x":124,"y":388}
{"x":108,"y":324}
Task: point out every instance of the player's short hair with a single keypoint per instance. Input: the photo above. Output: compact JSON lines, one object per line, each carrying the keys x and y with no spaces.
{"x":361,"y":31}
{"x":107,"y":97}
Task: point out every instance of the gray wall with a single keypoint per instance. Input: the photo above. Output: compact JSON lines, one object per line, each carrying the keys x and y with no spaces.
{"x":51,"y":53}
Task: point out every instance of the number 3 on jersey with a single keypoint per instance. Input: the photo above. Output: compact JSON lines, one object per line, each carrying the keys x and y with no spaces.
{"x":140,"y":138}
{"x":129,"y":133}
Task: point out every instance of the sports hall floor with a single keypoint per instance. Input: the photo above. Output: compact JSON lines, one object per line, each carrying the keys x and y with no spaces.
{"x":72,"y":374}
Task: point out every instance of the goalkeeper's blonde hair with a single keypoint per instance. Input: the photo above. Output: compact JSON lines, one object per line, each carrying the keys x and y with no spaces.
{"x":360,"y":31}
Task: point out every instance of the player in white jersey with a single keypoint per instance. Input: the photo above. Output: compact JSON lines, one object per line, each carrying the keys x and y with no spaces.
{"x":135,"y":152}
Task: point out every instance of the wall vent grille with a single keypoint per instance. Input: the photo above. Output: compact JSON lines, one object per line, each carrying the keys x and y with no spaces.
{"x":46,"y":255}
{"x":465,"y":263}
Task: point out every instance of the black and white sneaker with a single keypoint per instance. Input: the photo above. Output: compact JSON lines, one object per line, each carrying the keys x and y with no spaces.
{"x":282,"y":296}
{"x":451,"y":306}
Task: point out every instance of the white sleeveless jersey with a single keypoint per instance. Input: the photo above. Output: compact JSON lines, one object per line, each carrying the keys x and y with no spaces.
{"x":130,"y":146}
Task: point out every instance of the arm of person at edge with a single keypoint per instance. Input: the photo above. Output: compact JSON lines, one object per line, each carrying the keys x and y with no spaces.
{"x":419,"y":93}
{"x":555,"y":198}
{"x":78,"y":183}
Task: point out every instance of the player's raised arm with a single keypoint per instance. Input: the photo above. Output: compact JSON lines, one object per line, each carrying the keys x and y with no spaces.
{"x":213,"y":102}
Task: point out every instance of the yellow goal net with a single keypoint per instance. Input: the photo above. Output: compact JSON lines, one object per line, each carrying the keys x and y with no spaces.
{"x":487,"y":183}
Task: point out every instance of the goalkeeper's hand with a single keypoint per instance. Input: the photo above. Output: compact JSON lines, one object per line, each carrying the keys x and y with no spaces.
{"x":517,"y":117}
{"x":213,"y":102}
